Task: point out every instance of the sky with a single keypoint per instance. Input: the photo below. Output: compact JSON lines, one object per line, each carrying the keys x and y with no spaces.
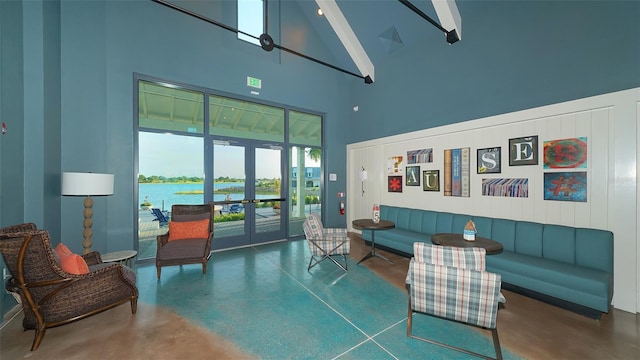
{"x":171,"y":156}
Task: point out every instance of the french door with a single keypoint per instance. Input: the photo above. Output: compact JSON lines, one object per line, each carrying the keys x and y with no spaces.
{"x":247,"y":188}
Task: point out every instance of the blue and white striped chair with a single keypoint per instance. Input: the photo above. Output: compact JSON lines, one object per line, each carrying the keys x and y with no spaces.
{"x":325,"y":243}
{"x":451,"y":283}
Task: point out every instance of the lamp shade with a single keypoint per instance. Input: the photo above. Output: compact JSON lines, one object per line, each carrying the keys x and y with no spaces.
{"x":87,"y":184}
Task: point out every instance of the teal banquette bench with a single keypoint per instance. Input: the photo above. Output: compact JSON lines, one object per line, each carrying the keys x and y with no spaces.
{"x":566,"y":266}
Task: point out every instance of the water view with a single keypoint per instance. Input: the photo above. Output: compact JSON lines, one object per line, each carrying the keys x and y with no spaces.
{"x":163,"y":195}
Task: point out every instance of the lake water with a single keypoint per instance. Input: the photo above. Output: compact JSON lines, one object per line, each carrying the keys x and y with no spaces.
{"x":167,"y":193}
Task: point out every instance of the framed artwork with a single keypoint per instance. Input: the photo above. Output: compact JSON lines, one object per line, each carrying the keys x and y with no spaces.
{"x":523,"y":151}
{"x":518,"y":187}
{"x":566,"y":186}
{"x":412,"y":176}
{"x":431,"y":180}
{"x":395,"y":165}
{"x":419,"y":156}
{"x":565,"y":153}
{"x":457,"y":172}
{"x":489,"y":160}
{"x":394,"y":184}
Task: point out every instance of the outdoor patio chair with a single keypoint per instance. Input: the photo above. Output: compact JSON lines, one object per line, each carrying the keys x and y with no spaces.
{"x":451,"y":283}
{"x":51,"y":296}
{"x":160,"y":217}
{"x":325,"y":243}
{"x":189,"y":238}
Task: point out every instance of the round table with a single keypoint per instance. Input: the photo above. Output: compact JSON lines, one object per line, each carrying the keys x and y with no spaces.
{"x":450,"y":239}
{"x":123,"y":256}
{"x":368,"y":224}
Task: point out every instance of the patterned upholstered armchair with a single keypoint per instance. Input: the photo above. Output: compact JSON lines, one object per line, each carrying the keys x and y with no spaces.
{"x":452,"y":283}
{"x":189,"y":238}
{"x":19,"y":228}
{"x":51,"y":296}
{"x":325,"y":243}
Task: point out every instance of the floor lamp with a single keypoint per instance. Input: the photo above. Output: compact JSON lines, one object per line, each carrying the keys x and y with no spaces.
{"x":87,"y":184}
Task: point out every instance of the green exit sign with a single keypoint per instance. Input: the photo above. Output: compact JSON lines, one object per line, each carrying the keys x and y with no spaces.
{"x":254,"y":82}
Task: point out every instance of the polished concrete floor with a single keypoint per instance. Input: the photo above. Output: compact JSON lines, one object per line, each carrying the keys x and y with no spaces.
{"x":163,"y":330}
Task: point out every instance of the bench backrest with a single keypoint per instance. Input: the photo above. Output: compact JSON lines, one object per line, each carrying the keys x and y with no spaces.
{"x":590,"y":248}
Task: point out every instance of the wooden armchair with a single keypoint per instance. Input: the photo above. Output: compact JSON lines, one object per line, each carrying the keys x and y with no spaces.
{"x":19,"y":228}
{"x":49,"y":295}
{"x":189,"y":238}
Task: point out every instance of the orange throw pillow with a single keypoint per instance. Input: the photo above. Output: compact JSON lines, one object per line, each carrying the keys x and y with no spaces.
{"x":179,"y":230}
{"x":70,"y":262}
{"x":74,"y":264}
{"x":62,"y":250}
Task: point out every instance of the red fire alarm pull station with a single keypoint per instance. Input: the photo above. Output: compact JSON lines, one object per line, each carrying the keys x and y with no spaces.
{"x":341,"y":203}
{"x":4,"y":128}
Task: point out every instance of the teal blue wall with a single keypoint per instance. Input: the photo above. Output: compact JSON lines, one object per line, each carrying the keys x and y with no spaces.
{"x":74,"y":66}
{"x":513,"y":55}
{"x":30,"y":106}
{"x":12,"y":107}
{"x":104,"y":44}
{"x":12,"y":113}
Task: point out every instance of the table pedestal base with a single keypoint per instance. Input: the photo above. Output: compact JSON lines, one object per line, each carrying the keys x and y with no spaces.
{"x":373,"y":253}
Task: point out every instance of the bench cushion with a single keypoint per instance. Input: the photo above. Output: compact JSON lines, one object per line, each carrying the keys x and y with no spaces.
{"x":579,"y":285}
{"x":569,"y":263}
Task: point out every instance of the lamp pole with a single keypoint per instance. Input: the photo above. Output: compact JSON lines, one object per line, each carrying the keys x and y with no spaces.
{"x":87,"y":223}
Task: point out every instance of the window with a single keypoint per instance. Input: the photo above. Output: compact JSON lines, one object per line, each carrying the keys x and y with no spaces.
{"x":305,"y":128}
{"x":168,"y":107}
{"x":170,"y":172}
{"x":251,"y":20}
{"x":178,"y":150}
{"x":245,"y":119}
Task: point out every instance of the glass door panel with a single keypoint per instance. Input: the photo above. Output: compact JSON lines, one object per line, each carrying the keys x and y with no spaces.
{"x":305,"y":175}
{"x":229,"y":194}
{"x":268,"y":200}
{"x":247,"y":193}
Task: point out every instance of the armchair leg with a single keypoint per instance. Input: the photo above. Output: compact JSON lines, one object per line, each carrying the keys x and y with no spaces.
{"x":494,"y":332}
{"x":134,"y":305}
{"x":325,"y":257}
{"x":409,"y":318}
{"x":38,"y":338}
{"x":158,"y":271}
{"x":496,"y":343}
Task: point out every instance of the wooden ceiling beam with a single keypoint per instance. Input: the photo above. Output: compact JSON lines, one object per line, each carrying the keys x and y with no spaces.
{"x":348,"y":38}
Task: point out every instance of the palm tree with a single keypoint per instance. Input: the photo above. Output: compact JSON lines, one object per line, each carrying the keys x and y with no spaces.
{"x":314,"y":154}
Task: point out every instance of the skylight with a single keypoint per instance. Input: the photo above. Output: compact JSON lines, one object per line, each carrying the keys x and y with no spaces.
{"x":251,"y":20}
